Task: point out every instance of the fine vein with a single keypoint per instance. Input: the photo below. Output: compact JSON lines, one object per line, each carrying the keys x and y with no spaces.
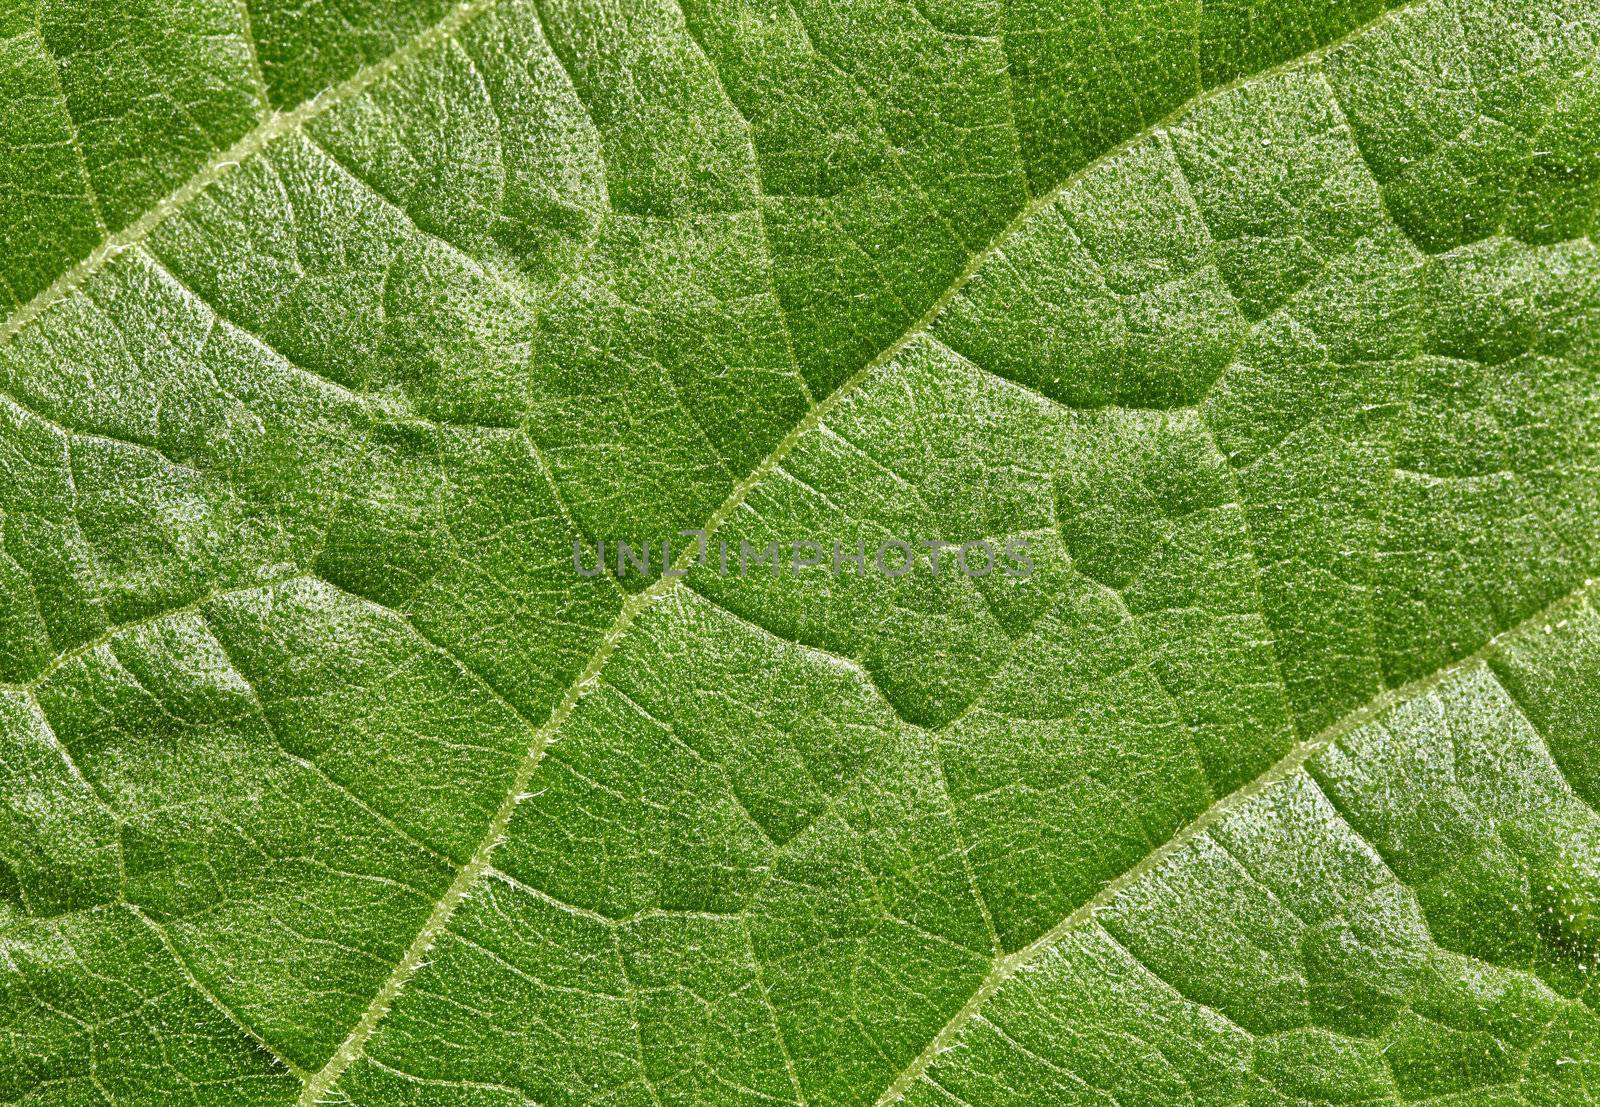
{"x":1006,"y":966}
{"x":354,"y":1044}
{"x":275,"y":126}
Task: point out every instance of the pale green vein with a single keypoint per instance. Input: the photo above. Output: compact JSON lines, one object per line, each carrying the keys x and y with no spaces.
{"x":72,"y":131}
{"x":210,"y":997}
{"x":275,"y":126}
{"x":478,"y":864}
{"x":1004,"y":968}
{"x":258,"y":79}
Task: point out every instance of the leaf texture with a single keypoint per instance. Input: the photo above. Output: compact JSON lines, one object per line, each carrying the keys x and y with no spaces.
{"x":1274,"y":328}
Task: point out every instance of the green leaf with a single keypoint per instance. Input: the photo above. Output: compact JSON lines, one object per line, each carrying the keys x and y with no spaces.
{"x":1271,"y":326}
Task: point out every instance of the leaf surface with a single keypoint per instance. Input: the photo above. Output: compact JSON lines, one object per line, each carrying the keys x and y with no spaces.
{"x":1273,"y":328}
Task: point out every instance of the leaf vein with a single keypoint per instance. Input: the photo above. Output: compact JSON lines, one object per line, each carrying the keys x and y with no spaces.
{"x":1295,"y":760}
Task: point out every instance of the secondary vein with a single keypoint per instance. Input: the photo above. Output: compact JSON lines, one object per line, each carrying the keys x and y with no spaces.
{"x":1006,"y":966}
{"x":220,"y":164}
{"x":355,"y":1042}
{"x":279,"y":124}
